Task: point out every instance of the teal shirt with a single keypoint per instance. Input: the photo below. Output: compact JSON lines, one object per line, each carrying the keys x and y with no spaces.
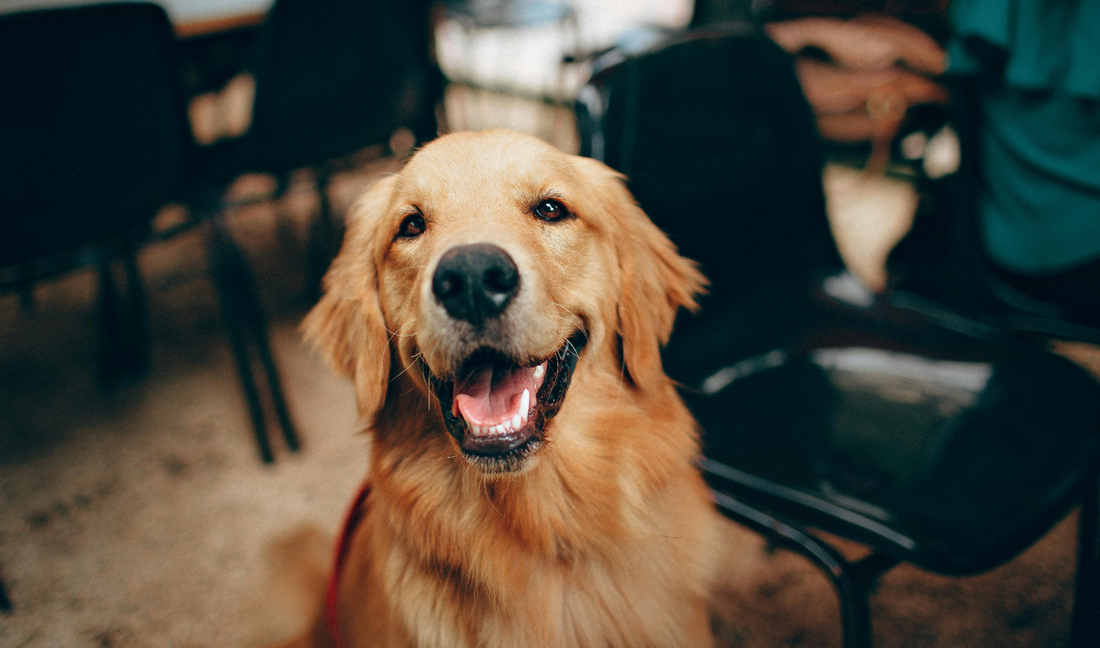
{"x":1040,"y":201}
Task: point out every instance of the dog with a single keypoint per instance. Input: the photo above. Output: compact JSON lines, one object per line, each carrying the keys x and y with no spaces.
{"x":500,"y":307}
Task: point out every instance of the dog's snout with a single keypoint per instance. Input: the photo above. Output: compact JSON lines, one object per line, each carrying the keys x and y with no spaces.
{"x":476,"y":282}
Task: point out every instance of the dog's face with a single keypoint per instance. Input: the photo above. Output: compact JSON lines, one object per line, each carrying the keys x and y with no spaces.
{"x":487,"y":272}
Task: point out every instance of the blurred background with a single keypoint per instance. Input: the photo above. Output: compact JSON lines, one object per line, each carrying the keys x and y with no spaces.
{"x":173,"y":179}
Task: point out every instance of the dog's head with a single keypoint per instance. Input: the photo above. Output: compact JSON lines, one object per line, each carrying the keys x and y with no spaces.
{"x":485,"y":274}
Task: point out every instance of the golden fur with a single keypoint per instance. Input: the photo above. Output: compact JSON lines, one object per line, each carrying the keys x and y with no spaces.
{"x":604,"y":536}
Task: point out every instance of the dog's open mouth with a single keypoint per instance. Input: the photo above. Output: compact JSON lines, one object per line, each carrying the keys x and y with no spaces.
{"x":497,"y":409}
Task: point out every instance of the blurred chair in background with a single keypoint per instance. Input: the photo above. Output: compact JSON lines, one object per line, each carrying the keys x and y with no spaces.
{"x":888,"y":420}
{"x":331,"y":78}
{"x":94,"y":140}
{"x":214,"y":53}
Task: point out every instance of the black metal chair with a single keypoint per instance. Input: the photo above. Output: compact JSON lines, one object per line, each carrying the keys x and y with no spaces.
{"x":94,"y":139}
{"x":889,"y":420}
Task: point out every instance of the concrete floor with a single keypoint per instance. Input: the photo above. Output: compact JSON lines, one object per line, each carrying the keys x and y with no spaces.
{"x":141,"y":515}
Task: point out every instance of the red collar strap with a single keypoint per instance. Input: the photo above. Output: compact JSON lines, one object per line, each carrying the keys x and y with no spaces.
{"x":354,"y":516}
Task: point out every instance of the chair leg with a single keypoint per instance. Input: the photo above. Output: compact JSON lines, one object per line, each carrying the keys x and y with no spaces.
{"x":233,"y":329}
{"x":1085,"y":629}
{"x":5,"y":602}
{"x":137,"y":314}
{"x":324,"y":241}
{"x":256,"y":323}
{"x":24,"y":288}
{"x":225,"y":276}
{"x":851,"y":581}
{"x":110,"y":321}
{"x":123,"y":319}
{"x":855,"y":612}
{"x":244,"y":318}
{"x":274,"y":384}
{"x":862,"y":577}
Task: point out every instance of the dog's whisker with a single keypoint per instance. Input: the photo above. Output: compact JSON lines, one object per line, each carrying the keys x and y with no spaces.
{"x":426,"y":377}
{"x":399,"y":374}
{"x":470,"y":482}
{"x":576,"y":318}
{"x":401,"y":334}
{"x":489,"y":498}
{"x":428,"y":382}
{"x":395,"y":334}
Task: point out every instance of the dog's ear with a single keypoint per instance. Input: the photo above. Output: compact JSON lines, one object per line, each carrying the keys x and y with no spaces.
{"x":347,"y":324}
{"x":656,"y":282}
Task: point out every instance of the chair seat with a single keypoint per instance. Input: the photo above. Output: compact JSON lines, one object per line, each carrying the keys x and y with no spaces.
{"x":929,"y":437}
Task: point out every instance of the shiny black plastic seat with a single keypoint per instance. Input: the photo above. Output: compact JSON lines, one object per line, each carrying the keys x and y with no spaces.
{"x":888,"y":420}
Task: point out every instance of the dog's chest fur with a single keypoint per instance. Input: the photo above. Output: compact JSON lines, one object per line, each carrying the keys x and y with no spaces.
{"x":458,"y":561}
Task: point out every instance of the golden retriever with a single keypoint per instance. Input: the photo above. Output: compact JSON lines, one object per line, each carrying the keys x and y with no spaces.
{"x":500,"y":307}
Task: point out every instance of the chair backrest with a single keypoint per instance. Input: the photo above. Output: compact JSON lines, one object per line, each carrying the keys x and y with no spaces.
{"x":720,"y":149}
{"x":93,"y":127}
{"x":336,"y":76}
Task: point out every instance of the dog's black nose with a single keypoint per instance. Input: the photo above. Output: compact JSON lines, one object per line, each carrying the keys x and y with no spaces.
{"x":475,"y":282}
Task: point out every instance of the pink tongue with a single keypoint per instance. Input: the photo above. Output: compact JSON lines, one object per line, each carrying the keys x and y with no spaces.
{"x":491,"y":395}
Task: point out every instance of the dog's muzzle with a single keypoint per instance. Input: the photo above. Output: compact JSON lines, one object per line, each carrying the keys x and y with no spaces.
{"x":495,"y":404}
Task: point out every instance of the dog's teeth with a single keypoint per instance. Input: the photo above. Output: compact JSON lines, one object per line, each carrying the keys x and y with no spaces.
{"x":539,"y":370}
{"x":524,"y":406}
{"x":476,"y":429}
{"x":517,"y":422}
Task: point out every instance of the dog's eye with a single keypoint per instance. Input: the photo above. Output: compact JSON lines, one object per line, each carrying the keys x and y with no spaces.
{"x":413,"y":225}
{"x":551,"y":210}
